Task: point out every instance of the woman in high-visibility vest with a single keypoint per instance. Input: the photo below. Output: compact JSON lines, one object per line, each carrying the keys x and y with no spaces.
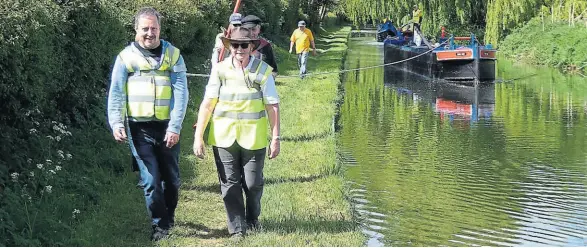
{"x":240,"y":99}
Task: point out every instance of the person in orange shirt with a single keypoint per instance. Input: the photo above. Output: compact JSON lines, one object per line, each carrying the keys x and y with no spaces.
{"x":302,"y":37}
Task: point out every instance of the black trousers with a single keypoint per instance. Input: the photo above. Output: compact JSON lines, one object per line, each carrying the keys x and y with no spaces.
{"x":240,"y":170}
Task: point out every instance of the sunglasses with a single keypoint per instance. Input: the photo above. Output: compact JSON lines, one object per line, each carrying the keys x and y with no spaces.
{"x":236,"y":45}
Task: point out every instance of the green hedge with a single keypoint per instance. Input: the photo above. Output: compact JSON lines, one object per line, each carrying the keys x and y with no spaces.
{"x":554,"y":44}
{"x":56,"y":151}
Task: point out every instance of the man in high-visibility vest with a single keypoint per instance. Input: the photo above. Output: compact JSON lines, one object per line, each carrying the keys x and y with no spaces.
{"x":147,"y":103}
{"x":416,"y":17}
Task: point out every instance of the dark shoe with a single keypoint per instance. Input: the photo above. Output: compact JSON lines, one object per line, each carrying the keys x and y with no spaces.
{"x":254,"y":225}
{"x":159,"y":233}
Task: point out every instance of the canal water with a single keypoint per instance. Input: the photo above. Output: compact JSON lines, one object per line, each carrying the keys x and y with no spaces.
{"x":439,"y":164}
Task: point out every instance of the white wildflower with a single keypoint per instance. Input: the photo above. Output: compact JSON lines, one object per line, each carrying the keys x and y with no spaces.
{"x":60,"y":153}
{"x":49,"y":161}
{"x":50,"y":137}
{"x":52,"y":172}
{"x":58,"y":138}
{"x":49,"y":188}
{"x":75,"y":212}
{"x":36,"y":123}
{"x":30,"y":161}
{"x":68,"y":156}
{"x":14,"y":176}
{"x":40,"y":166}
{"x":32,"y":174}
{"x":33,"y":131}
{"x":55,"y":127}
{"x":58,"y":168}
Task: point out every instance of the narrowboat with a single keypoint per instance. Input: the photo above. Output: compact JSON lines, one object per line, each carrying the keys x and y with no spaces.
{"x":452,"y":58}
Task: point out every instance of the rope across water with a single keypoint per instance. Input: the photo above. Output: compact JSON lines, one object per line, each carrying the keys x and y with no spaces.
{"x":338,"y":72}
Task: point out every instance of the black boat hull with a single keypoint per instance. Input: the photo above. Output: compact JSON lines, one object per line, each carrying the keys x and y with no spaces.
{"x":427,"y":64}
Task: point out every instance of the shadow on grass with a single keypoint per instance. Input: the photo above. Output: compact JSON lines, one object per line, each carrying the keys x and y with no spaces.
{"x":278,"y":83}
{"x":197,"y":230}
{"x":302,"y":179}
{"x":308,"y":226}
{"x":212,"y":188}
{"x":305,"y":137}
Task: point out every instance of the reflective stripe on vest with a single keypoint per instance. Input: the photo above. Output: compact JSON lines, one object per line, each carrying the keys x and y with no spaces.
{"x":240,"y":113}
{"x":148,"y":86}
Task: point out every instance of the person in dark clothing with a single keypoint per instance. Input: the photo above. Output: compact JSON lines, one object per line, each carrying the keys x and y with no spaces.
{"x":265,"y":50}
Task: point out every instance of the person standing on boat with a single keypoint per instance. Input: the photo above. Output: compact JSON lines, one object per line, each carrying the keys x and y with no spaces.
{"x":416,"y":18}
{"x":302,"y":37}
{"x":240,"y":99}
{"x":147,"y":103}
{"x":264,"y":51}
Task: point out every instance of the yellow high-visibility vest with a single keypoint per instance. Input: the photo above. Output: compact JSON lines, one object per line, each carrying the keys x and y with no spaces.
{"x":148,"y":87}
{"x":416,"y":14}
{"x":239,"y":114}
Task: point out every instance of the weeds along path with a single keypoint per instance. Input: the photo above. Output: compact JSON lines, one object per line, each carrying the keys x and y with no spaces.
{"x":303,"y":202}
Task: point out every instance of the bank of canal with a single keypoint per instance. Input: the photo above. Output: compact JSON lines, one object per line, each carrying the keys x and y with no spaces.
{"x":437,"y":164}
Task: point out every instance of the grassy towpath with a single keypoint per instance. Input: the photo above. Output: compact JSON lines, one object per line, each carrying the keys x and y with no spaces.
{"x":304,"y":200}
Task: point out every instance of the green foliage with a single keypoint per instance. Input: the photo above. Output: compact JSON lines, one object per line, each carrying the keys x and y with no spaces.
{"x":534,"y":43}
{"x":456,"y":15}
{"x":491,"y":19}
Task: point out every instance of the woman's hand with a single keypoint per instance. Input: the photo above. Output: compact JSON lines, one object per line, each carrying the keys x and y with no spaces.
{"x":274,"y":148}
{"x":199,"y":148}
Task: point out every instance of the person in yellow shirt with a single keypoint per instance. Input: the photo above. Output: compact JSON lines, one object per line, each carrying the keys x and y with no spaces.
{"x":302,"y":37}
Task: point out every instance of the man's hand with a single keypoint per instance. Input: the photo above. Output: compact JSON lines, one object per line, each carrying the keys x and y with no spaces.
{"x":171,"y":139}
{"x":290,"y":50}
{"x":119,"y":135}
{"x":314,"y":52}
{"x":199,"y":148}
{"x":274,"y":148}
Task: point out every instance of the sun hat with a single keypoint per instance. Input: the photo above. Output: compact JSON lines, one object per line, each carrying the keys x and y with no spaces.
{"x":240,"y":35}
{"x":301,"y":24}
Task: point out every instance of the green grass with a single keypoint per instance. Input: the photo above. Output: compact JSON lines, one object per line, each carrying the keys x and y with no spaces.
{"x":304,"y":200}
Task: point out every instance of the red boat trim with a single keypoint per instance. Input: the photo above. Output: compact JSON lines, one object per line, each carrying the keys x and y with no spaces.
{"x":464,"y":54}
{"x":487,"y":54}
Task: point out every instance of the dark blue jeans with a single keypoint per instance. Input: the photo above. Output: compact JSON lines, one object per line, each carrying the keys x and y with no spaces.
{"x":159,"y":170}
